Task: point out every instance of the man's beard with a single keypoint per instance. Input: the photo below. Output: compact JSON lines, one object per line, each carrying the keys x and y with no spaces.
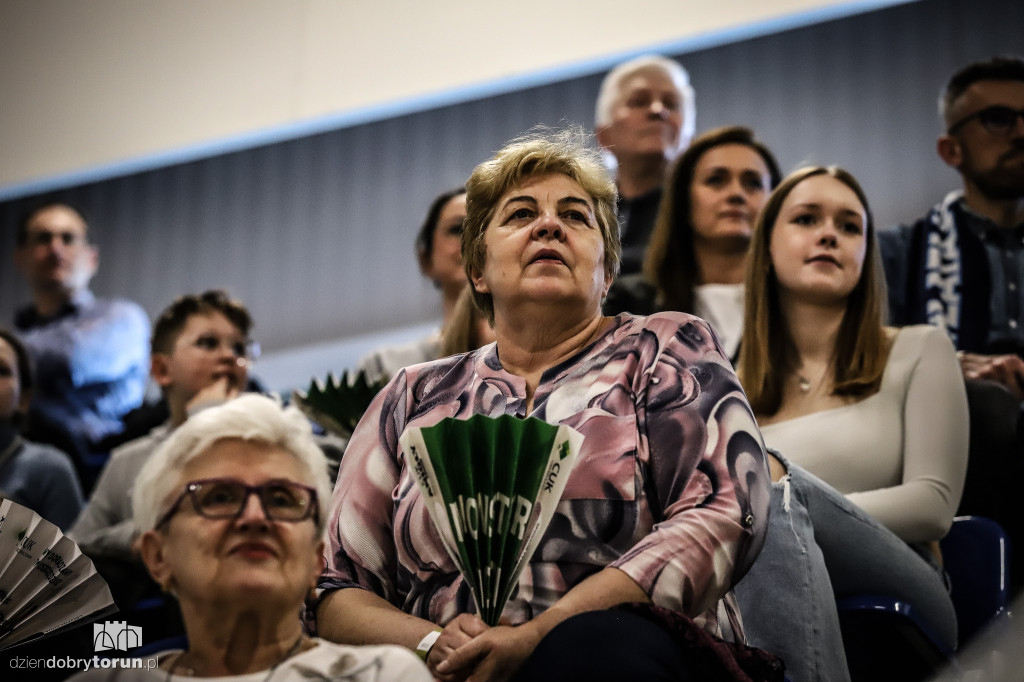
{"x":1004,"y":182}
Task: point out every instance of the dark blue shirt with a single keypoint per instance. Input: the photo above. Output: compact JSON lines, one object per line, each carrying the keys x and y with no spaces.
{"x":92,"y":363}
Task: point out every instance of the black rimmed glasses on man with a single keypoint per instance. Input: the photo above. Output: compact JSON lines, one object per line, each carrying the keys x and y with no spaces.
{"x":998,"y":120}
{"x":225,"y":498}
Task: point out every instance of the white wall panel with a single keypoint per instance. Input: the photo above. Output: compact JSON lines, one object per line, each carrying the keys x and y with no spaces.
{"x":95,"y":88}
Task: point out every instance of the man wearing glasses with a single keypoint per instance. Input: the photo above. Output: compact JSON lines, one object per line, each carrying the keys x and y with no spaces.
{"x":961,"y":267}
{"x":91,"y":355}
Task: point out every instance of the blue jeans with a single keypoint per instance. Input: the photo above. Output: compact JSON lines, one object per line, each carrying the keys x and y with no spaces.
{"x":821,"y":547}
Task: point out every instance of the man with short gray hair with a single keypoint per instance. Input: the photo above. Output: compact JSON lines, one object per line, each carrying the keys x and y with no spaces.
{"x":645,"y":117}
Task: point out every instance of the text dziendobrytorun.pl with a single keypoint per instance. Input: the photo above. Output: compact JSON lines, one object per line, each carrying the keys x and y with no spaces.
{"x":72,"y":663}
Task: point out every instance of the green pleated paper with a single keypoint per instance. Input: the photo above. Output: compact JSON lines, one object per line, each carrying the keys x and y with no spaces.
{"x":491,"y":486}
{"x":337,"y":404}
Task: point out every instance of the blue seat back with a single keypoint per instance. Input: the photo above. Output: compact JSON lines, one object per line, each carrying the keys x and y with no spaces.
{"x":976,"y":555}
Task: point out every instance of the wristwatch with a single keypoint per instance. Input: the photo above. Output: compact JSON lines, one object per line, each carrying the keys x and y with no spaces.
{"x":427,"y":643}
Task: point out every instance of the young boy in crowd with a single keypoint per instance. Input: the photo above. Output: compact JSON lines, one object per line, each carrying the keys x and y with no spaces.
{"x":199,"y":357}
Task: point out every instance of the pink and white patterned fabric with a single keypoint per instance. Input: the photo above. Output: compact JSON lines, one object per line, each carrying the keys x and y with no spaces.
{"x":671,"y":484}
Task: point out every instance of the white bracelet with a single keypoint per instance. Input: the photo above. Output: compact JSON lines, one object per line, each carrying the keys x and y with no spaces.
{"x":427,"y":643}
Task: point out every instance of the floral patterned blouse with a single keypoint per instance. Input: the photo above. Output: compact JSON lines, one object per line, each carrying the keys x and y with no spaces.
{"x":670,"y":486}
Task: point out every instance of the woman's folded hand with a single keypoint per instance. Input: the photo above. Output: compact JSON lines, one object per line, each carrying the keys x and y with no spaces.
{"x":492,"y":656}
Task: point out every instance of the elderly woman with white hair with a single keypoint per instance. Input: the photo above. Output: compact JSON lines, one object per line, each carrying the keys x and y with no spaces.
{"x":230,"y":515}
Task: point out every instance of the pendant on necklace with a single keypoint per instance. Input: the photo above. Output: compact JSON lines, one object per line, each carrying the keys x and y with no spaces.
{"x":805,"y":384}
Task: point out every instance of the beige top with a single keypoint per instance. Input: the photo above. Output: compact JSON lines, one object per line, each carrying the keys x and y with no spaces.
{"x":900,"y":454}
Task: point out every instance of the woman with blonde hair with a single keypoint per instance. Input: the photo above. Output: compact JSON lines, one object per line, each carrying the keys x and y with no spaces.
{"x":666,"y":504}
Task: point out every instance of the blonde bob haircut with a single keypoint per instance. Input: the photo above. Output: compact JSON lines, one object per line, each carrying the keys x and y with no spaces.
{"x":537,"y":153}
{"x":767,"y":353}
{"x":250,"y":417}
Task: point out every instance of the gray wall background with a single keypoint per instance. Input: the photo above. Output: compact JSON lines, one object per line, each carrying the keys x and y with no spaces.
{"x":315,"y":234}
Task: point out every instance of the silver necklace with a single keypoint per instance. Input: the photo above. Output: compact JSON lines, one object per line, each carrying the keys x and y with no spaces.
{"x":270,"y":673}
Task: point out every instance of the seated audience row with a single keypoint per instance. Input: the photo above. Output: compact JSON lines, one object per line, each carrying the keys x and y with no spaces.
{"x":702,"y":239}
{"x":546,"y":212}
{"x":799,"y":298}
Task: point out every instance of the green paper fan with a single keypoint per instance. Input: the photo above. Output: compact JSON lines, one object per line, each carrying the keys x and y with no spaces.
{"x":491,"y":486}
{"x":337,"y":404}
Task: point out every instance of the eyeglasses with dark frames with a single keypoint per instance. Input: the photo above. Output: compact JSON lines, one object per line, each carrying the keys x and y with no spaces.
{"x":997,"y":120}
{"x":225,"y":498}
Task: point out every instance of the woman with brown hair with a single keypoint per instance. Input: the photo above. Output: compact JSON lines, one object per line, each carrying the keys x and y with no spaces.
{"x":697,"y":256}
{"x":817,"y":359}
{"x":468,"y":328}
{"x":438,"y":253}
{"x":871,"y":421}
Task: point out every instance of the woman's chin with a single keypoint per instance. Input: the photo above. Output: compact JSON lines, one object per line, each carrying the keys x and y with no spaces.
{"x":823,"y":292}
{"x":245,"y":582}
{"x":732,"y":236}
{"x":556,"y":292}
